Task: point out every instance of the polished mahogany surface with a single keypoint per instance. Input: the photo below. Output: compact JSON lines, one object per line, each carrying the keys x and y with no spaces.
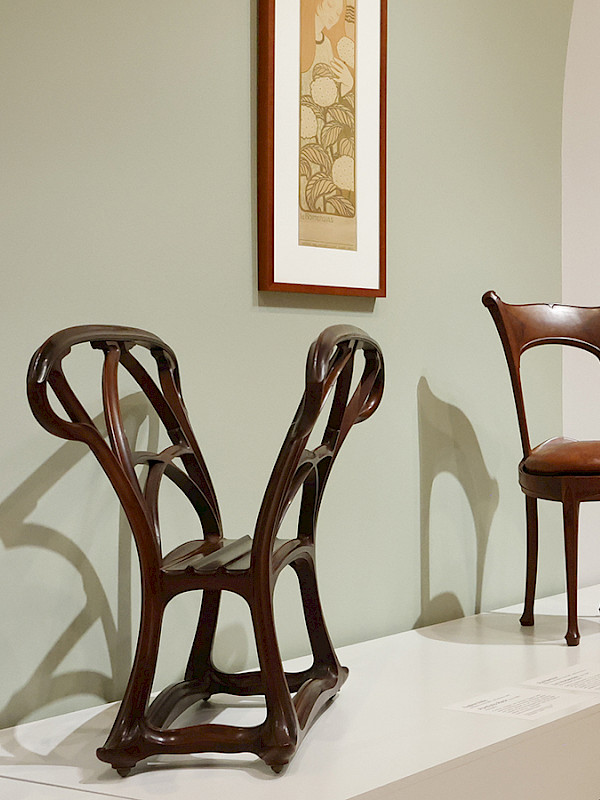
{"x":248,"y":566}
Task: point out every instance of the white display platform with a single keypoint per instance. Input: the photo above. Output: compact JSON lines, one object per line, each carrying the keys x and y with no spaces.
{"x":389,"y":734}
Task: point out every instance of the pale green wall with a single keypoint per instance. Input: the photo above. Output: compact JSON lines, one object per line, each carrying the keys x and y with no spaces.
{"x":128,"y":160}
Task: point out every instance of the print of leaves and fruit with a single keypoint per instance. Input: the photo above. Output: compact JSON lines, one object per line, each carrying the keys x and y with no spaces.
{"x":327,"y":146}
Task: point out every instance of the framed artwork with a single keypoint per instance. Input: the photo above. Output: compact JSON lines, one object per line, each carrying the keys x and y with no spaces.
{"x":322,"y":146}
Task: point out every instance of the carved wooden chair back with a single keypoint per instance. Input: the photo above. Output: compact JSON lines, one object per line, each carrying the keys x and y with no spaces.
{"x":246,"y":566}
{"x":329,"y":370}
{"x":139,"y":502}
{"x":522,"y":327}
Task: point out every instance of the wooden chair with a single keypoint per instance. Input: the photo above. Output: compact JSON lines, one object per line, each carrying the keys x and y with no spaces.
{"x":248,"y":566}
{"x":560,"y":469}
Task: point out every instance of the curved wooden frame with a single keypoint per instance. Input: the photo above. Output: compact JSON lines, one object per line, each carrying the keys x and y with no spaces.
{"x":248,"y":567}
{"x":560,"y":469}
{"x":267,"y":281}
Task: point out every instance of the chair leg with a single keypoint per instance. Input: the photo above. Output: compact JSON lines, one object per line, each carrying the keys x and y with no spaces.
{"x":124,"y":746}
{"x":532,"y":558}
{"x":571,"y":525}
{"x":279,"y":732}
{"x":199,"y":666}
{"x":321,"y":644}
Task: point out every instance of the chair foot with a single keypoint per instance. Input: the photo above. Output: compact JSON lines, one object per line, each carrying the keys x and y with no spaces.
{"x":123,"y":771}
{"x":527,"y":619}
{"x":117,"y":761}
{"x":572,"y":638}
{"x":277,"y":756}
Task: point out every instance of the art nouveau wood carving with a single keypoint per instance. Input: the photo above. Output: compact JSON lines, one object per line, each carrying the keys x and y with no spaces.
{"x":249,"y":567}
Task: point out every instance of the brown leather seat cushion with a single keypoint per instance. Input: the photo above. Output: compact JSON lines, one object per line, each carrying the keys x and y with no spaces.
{"x":562,"y":456}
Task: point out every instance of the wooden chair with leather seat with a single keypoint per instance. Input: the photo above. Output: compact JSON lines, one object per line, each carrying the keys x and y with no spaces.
{"x":560,"y":469}
{"x":248,"y":566}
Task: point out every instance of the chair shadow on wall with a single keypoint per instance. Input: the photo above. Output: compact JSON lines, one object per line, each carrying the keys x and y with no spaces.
{"x":44,"y":686}
{"x":448,"y":444}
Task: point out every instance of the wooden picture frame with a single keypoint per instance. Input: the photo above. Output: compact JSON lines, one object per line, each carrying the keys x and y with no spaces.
{"x":322,"y":146}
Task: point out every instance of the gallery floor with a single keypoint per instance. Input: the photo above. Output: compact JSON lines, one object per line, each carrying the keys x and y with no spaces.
{"x":475,"y":708}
